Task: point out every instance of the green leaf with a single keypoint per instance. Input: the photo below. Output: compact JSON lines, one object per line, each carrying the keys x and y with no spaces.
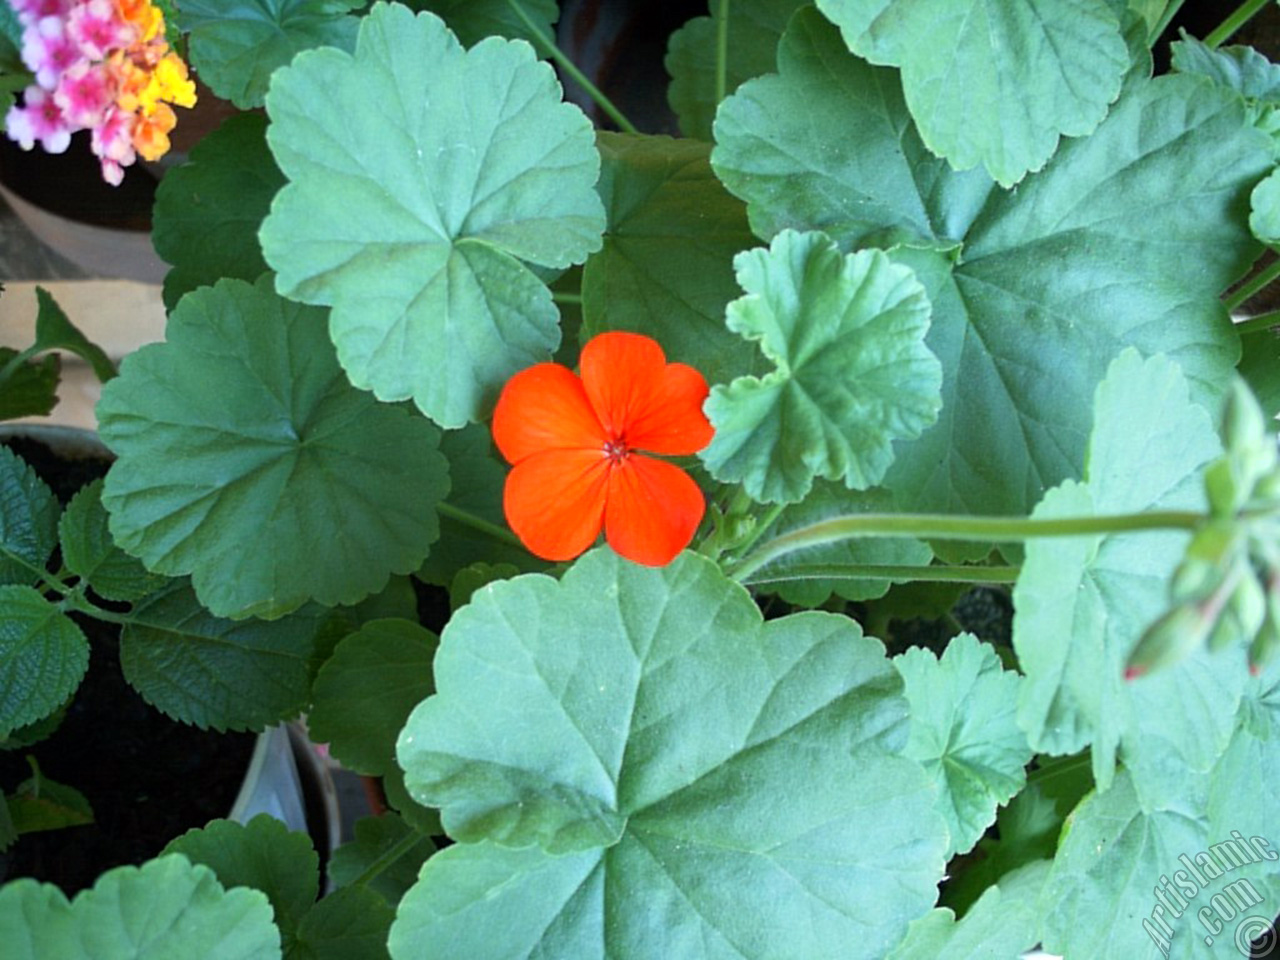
{"x":375,"y":838}
{"x":477,"y":477}
{"x":166,"y":908}
{"x":264,"y":855}
{"x":964,"y":732}
{"x":993,"y":84}
{"x":367,"y":689}
{"x":225,"y":674}
{"x":208,"y":210}
{"x":807,"y":578}
{"x":28,"y":521}
{"x":1260,"y":367}
{"x":242,"y":449}
{"x":43,"y":657}
{"x":89,"y":552}
{"x":754,"y":28}
{"x":645,"y":728}
{"x":470,"y":579}
{"x":1082,"y":602}
{"x":349,"y":924}
{"x":8,"y":832}
{"x":1034,"y":292}
{"x":1242,"y":69}
{"x":43,"y":804}
{"x":236,"y":49}
{"x":846,"y":335}
{"x":418,"y":245}
{"x":1005,"y":922}
{"x":473,"y":20}
{"x":31,"y":390}
{"x":665,"y":268}
{"x":55,"y":332}
{"x":1264,"y":213}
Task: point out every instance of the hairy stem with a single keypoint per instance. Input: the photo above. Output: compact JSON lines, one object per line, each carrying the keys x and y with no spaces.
{"x":722,"y":51}
{"x":1251,"y":286}
{"x":899,"y":572}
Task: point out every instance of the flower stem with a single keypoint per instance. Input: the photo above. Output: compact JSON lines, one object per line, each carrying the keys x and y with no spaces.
{"x":1264,"y":321}
{"x":948,"y":527}
{"x":944,"y":573}
{"x":559,"y":297}
{"x":1252,"y":286}
{"x":569,"y":67}
{"x":469,"y":519}
{"x":722,"y":51}
{"x":1170,"y":12}
{"x":1242,"y":15}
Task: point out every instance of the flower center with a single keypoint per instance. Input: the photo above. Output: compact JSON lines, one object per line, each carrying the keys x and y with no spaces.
{"x":616,"y":452}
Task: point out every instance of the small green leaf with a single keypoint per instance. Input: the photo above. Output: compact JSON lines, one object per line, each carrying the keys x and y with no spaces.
{"x":28,"y":521}
{"x":242,"y":450}
{"x":43,"y":657}
{"x":473,"y":20}
{"x":89,"y":552}
{"x":470,"y":579}
{"x":846,"y":334}
{"x":367,"y":689}
{"x":350,"y":924}
{"x":645,"y":729}
{"x":166,"y":908}
{"x":208,"y":210}
{"x":376,"y":837}
{"x":993,"y":84}
{"x":665,"y":268}
{"x":421,"y":246}
{"x":55,"y":332}
{"x":224,"y":674}
{"x":236,"y":49}
{"x":964,"y":732}
{"x":31,"y":390}
{"x":43,"y":804}
{"x":264,"y":855}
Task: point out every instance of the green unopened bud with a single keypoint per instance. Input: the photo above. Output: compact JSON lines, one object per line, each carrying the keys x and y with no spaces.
{"x":1266,"y":644}
{"x":1210,"y":555}
{"x":1174,"y":636}
{"x":1242,"y":615}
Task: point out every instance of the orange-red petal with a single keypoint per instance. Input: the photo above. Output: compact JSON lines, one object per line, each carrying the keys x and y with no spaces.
{"x":653,"y":510}
{"x":555,"y":501}
{"x":544,"y":407}
{"x":671,"y":421}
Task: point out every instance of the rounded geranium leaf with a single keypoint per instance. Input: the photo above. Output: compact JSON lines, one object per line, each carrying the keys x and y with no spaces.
{"x":243,"y":450}
{"x":637,"y":734}
{"x":43,"y":657}
{"x":846,"y":334}
{"x":421,"y":245}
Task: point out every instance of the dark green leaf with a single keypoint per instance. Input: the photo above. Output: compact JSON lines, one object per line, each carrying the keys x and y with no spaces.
{"x":55,"y":332}
{"x":43,"y":804}
{"x":89,"y":552}
{"x":375,"y":838}
{"x":43,"y":657}
{"x":473,"y":20}
{"x":350,"y":924}
{"x":28,"y":521}
{"x":31,"y":390}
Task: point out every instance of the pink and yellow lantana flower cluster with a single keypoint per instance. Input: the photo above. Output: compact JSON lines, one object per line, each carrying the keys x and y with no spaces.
{"x":102,"y":66}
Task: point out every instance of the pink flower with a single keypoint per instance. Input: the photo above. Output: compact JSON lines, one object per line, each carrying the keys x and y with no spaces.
{"x":48,"y":51}
{"x":39,"y":119}
{"x":97,"y":27}
{"x":85,"y":92}
{"x":29,"y":11}
{"x":112,"y":142}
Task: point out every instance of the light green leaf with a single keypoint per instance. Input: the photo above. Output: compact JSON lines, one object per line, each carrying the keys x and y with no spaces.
{"x":964,"y":732}
{"x":225,"y":674}
{"x":647,"y":728}
{"x":1034,"y":292}
{"x":54,"y":331}
{"x":846,"y":335}
{"x":31,"y":390}
{"x":376,"y":837}
{"x":753,"y":30}
{"x":665,"y":269}
{"x":1082,"y":602}
{"x":236,"y":48}
{"x":418,"y":245}
{"x":28,"y":521}
{"x":89,"y":552}
{"x":166,"y":908}
{"x":1003,"y":923}
{"x":43,"y":657}
{"x":989,"y":83}
{"x":806,"y":578}
{"x":367,"y":689}
{"x":1241,"y":68}
{"x":473,"y":20}
{"x":208,"y":210}
{"x":242,"y":450}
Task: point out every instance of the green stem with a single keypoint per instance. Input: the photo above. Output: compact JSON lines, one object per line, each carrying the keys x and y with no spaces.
{"x":1251,"y":286}
{"x":469,"y":519}
{"x":1242,"y":15}
{"x":559,"y":297}
{"x":77,"y":601}
{"x":762,"y":524}
{"x":402,"y":847}
{"x":569,"y":67}
{"x":1170,"y":12}
{"x":1264,"y":321}
{"x":722,"y":51}
{"x":879,"y":571}
{"x":17,"y":360}
{"x":948,"y":527}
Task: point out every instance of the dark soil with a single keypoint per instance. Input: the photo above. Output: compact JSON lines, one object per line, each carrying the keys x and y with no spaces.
{"x":148,"y":778}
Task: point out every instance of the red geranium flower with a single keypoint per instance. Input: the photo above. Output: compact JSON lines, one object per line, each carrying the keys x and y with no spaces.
{"x":572,"y":444}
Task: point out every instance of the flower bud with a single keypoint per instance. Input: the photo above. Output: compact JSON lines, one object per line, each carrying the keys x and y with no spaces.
{"x":1172,"y":637}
